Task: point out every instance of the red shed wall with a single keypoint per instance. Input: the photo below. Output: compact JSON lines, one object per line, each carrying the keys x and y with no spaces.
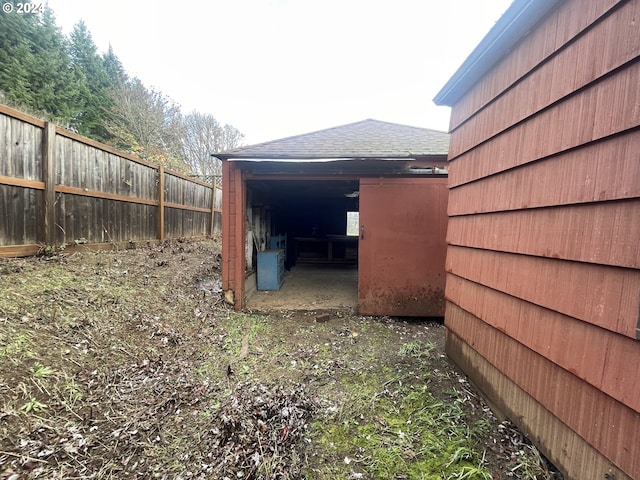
{"x":233,"y":233}
{"x":543,"y":283}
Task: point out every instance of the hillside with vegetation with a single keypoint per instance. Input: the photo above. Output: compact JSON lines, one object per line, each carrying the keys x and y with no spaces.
{"x":65,"y":79}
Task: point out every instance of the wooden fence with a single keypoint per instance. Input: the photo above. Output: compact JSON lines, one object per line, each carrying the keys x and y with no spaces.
{"x":59,"y":189}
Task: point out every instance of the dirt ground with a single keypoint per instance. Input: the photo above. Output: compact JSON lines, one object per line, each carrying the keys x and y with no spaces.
{"x":128,"y":364}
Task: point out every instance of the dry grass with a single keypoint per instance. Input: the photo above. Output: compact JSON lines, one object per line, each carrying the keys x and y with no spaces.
{"x":128,"y":364}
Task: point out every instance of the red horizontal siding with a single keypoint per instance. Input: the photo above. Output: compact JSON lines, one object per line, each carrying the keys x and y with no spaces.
{"x":611,"y":427}
{"x":607,"y":170}
{"x":555,"y":439}
{"x":594,"y":54}
{"x":567,"y":22}
{"x":605,"y":233}
{"x":574,"y":345}
{"x":606,"y":297}
{"x":544,"y":228}
{"x":607,"y":107}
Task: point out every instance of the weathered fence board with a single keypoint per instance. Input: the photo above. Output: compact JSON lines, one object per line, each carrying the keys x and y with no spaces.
{"x":20,"y":149}
{"x":58,"y":188}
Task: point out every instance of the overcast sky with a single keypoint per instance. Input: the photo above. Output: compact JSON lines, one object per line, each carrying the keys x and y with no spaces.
{"x":276,"y":68}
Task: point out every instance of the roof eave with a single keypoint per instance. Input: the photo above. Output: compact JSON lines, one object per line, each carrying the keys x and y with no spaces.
{"x":272,"y":157}
{"x":515,"y":23}
{"x":310,"y":158}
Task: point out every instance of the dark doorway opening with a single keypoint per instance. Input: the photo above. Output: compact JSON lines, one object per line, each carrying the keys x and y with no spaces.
{"x":320,"y":258}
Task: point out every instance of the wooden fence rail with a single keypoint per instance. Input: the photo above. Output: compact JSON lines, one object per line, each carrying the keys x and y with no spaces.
{"x":59,"y":188}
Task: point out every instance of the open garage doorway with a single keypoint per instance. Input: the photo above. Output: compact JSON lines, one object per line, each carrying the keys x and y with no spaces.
{"x":288,"y":204}
{"x":313,"y":223}
{"x":305,"y":250}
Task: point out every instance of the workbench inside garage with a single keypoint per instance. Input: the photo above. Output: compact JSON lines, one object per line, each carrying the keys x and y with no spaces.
{"x":326,"y":249}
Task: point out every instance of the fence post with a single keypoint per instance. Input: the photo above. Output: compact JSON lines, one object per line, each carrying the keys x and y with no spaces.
{"x":49,"y":179}
{"x":161,"y":203}
{"x":213,"y":206}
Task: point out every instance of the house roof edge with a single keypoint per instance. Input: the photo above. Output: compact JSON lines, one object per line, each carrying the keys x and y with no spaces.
{"x":515,"y":23}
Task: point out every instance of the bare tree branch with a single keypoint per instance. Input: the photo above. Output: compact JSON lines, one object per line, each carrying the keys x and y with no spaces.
{"x":203,"y":135}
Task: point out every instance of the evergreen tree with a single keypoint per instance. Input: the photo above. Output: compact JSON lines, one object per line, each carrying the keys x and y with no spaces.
{"x":95,"y":101}
{"x":116,"y":74}
{"x":54,"y":83}
{"x":35,"y":69}
{"x":16,"y":57}
{"x":66,"y":80}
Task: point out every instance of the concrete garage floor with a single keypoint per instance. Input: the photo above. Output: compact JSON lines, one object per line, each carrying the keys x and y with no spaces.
{"x":311,"y":287}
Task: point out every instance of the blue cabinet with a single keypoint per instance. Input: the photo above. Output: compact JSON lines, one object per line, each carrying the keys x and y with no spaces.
{"x":278,"y":241}
{"x":270,"y":269}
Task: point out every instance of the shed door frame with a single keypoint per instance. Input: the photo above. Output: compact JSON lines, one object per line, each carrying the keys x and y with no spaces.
{"x":234,"y":233}
{"x":234,"y":227}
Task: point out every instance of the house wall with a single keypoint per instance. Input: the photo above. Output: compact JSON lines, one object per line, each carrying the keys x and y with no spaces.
{"x":543,"y":283}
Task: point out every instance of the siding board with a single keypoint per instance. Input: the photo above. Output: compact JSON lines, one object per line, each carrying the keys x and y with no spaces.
{"x":607,"y":170}
{"x":612,"y":428}
{"x":606,"y":297}
{"x":575,"y":346}
{"x":606,"y":108}
{"x":543,"y":285}
{"x":604,"y":233}
{"x":554,"y":438}
{"x":593,"y":55}
{"x":555,"y":31}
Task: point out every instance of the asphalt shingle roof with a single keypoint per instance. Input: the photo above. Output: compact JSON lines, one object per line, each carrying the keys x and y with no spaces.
{"x":364,"y":139}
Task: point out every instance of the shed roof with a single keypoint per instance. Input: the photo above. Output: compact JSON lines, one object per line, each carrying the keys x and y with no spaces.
{"x":367,"y":139}
{"x":514,"y":24}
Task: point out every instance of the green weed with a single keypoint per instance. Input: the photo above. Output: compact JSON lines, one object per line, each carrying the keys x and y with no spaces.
{"x":40,"y":371}
{"x":34,"y":406}
{"x":531,"y":465}
{"x":415,"y":349}
{"x":410,"y":349}
{"x":461,"y":453}
{"x":471,"y":473}
{"x":19,"y":347}
{"x":72,"y":391}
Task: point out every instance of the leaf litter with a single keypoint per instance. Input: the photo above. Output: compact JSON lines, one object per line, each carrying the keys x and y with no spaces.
{"x":129,"y":364}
